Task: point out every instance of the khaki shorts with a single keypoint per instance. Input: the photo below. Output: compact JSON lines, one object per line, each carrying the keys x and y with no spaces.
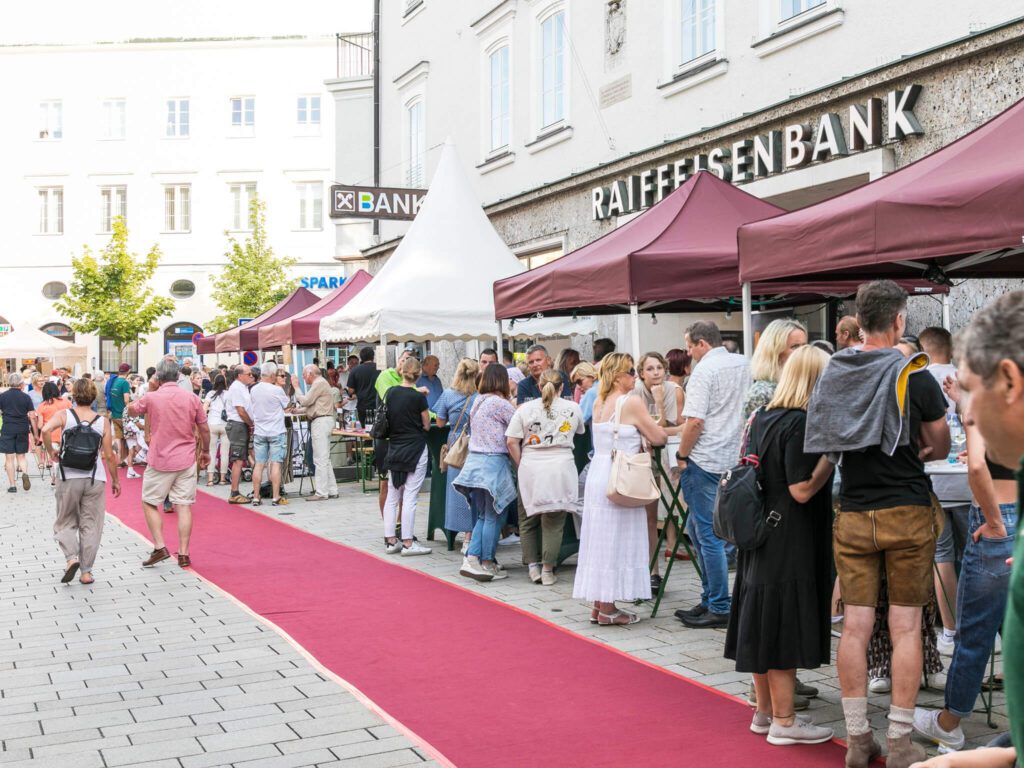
{"x":900,"y":539}
{"x":179,"y":487}
{"x":118,"y":425}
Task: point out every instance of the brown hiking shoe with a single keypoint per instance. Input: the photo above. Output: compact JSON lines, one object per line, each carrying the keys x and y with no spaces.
{"x":155,"y":557}
{"x":861,"y":750}
{"x":903,"y":753}
{"x":184,"y":561}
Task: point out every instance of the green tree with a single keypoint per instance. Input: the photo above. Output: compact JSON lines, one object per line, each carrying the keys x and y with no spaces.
{"x":254,"y":279}
{"x":110,"y":295}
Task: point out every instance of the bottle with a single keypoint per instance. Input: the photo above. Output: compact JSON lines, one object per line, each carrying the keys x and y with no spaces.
{"x":957,"y":438}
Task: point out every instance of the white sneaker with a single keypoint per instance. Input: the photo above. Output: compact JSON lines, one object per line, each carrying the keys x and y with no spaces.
{"x":415,"y":549}
{"x":936,"y":682}
{"x":535,"y":574}
{"x":510,"y":539}
{"x":548,"y":578}
{"x":472,"y":569}
{"x":394,"y":547}
{"x":926,"y":723}
{"x":465,"y":548}
{"x":945,"y":646}
{"x":496,"y":571}
{"x":763,"y":722}
{"x":880,"y":685}
{"x":132,"y":474}
{"x":798,"y":733}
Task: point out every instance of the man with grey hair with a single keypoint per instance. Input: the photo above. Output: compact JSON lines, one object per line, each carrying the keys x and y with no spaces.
{"x":321,"y":411}
{"x":270,"y":438}
{"x":16,"y":405}
{"x":173,"y":417}
{"x":538,"y":360}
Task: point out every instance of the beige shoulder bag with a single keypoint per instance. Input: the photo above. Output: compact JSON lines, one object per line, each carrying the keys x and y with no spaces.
{"x":631,"y":481}
{"x":454,"y":455}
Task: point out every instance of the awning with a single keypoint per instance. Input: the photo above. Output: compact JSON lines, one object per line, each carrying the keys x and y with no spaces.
{"x":246,"y":337}
{"x":303,"y":328}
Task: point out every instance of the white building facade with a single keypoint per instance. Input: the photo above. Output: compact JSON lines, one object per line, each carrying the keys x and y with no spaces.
{"x":551,"y":101}
{"x":177,"y":136}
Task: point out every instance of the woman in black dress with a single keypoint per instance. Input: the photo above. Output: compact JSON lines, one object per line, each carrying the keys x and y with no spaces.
{"x":780,"y":603}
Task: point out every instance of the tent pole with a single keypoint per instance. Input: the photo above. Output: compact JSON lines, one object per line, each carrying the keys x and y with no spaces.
{"x":945,"y":311}
{"x":634,"y":328}
{"x":748,"y":321}
{"x":499,"y":342}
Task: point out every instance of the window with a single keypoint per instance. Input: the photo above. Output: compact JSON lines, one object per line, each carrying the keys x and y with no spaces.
{"x":698,"y":29}
{"x":311,"y":204}
{"x":243,"y":115}
{"x":499,"y":99}
{"x":51,"y":120}
{"x":111,"y":357}
{"x":308,"y":112}
{"x":59,"y":331}
{"x":51,"y":210}
{"x":415,"y":132}
{"x":113,"y":203}
{"x":540,"y":257}
{"x":177,"y":118}
{"x":114,"y":111}
{"x":183,"y":289}
{"x":54,"y":290}
{"x":177,"y":207}
{"x":791,"y":8}
{"x":241,"y":196}
{"x":553,"y":69}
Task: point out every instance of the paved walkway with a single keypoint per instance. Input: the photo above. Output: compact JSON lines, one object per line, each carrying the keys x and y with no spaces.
{"x":156,"y":668}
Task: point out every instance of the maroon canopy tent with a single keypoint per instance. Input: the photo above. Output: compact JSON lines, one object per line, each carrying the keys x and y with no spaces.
{"x":956,"y":213}
{"x":678,"y":256}
{"x":303,"y":328}
{"x":247,"y":336}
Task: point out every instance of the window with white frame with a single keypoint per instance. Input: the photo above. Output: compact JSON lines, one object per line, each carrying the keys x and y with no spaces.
{"x":177,"y":118}
{"x":697,"y":29}
{"x":552,"y":51}
{"x":790,"y":8}
{"x":308,"y":114}
{"x":51,"y":120}
{"x":243,"y":115}
{"x":177,"y":207}
{"x":310,"y":195}
{"x":242,"y":195}
{"x":113,"y":203}
{"x":499,"y":98}
{"x":51,"y":210}
{"x":416,"y":144}
{"x":114,"y":117}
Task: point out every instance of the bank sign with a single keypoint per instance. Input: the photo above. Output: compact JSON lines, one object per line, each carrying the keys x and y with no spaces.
{"x":770,"y":153}
{"x":375,"y":202}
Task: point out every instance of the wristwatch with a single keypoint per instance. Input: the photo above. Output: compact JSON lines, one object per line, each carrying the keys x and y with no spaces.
{"x":681,"y":458}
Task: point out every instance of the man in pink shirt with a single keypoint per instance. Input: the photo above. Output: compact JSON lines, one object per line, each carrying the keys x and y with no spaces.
{"x":172,"y":415}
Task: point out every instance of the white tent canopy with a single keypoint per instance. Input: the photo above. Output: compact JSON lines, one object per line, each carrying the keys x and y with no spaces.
{"x":439,"y":282}
{"x":28,"y":342}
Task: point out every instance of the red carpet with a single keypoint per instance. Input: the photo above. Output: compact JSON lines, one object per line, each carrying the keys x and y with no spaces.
{"x":482,"y":683}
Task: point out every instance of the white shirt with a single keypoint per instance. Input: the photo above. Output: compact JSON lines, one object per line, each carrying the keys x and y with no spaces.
{"x":268,"y":404}
{"x":940,"y":371}
{"x":715,"y":394}
{"x":238,"y":395}
{"x":216,"y":402}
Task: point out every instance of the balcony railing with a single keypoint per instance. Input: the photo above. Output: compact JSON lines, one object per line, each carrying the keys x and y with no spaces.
{"x":355,"y":55}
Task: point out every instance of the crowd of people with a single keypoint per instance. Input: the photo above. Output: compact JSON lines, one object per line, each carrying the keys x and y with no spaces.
{"x":857,"y":542}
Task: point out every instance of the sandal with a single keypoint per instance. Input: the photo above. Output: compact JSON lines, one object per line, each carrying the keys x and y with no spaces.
{"x":69,"y":572}
{"x":86,"y":578}
{"x":281,"y":502}
{"x":257,"y":502}
{"x":608,"y":620}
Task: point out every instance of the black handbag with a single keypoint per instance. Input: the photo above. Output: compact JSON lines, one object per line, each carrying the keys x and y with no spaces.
{"x":741,"y":516}
{"x":381,"y":427}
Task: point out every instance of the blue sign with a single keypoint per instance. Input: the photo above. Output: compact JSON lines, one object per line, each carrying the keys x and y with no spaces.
{"x":322,"y":282}
{"x":244,"y":320}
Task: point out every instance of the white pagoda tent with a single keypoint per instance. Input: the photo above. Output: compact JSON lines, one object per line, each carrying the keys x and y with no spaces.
{"x":27,"y":342}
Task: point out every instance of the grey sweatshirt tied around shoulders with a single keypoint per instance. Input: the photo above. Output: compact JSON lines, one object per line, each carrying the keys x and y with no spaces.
{"x":862,"y":399}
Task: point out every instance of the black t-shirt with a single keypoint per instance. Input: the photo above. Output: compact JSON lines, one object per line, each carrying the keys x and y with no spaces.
{"x":15,"y":406}
{"x":872,"y":480}
{"x":405,"y":406}
{"x":361,"y":379}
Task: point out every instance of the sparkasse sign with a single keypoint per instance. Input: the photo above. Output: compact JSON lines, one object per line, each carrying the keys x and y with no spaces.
{"x":768,"y":154}
{"x":375,"y":202}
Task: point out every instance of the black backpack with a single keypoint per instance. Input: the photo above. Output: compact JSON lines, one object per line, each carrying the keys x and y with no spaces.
{"x":741,"y":517}
{"x":80,"y":447}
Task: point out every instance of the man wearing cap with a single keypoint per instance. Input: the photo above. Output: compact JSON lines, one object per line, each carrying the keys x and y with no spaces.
{"x":118,"y":396}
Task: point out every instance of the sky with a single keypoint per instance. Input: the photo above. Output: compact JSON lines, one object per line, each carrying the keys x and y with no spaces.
{"x":74,"y":21}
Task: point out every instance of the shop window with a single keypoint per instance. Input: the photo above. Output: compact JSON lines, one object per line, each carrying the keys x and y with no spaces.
{"x":178,"y":340}
{"x":59,"y":331}
{"x":183,"y":289}
{"x":552,"y":53}
{"x":54,"y":290}
{"x":111,"y":357}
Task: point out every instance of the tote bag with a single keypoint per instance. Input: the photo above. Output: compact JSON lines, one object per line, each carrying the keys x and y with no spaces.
{"x":631,"y":481}
{"x":454,"y":455}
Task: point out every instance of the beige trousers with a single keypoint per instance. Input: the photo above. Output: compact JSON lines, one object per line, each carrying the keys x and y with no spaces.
{"x":80,"y":514}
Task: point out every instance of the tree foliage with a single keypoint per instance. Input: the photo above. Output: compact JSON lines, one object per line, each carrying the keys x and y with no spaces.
{"x":254,"y":279}
{"x":110,"y":295}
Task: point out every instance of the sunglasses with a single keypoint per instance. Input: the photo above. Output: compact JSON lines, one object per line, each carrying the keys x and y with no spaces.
{"x":631,"y":372}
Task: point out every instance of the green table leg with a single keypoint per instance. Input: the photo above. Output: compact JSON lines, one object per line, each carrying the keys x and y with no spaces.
{"x":676,"y":516}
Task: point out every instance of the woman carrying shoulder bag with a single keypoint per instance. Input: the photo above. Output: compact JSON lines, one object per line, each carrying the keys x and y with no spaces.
{"x":780,"y":604}
{"x":452,"y":408}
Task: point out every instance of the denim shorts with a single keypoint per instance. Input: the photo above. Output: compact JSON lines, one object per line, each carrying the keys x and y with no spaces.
{"x":276,"y":447}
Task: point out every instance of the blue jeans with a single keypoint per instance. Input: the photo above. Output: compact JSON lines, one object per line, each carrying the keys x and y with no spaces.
{"x":699,"y":490}
{"x":487,"y":525}
{"x":981,"y":602}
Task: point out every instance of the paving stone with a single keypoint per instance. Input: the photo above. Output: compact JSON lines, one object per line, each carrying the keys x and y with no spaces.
{"x":161,"y":750}
{"x":274,"y":734}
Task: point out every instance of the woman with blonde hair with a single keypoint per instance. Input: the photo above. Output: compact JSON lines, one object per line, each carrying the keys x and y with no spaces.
{"x":780,"y":606}
{"x":540,"y":442}
{"x":778,"y":341}
{"x":452,"y":408}
{"x":613,"y":560}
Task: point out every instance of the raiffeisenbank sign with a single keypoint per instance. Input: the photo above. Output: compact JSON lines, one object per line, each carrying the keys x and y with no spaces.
{"x":768,"y":154}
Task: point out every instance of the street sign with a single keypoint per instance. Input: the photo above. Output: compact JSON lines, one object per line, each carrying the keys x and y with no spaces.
{"x":375,"y":202}
{"x":196,"y":337}
{"x":249,"y":358}
{"x":244,"y":320}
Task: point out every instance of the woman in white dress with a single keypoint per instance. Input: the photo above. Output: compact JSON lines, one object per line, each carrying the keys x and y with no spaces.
{"x":613,"y":559}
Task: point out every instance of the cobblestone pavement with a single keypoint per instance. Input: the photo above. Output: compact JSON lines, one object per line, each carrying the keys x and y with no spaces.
{"x":156,"y":668}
